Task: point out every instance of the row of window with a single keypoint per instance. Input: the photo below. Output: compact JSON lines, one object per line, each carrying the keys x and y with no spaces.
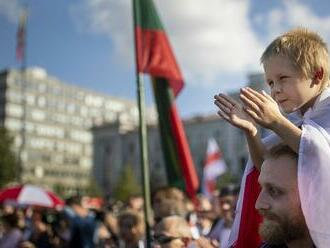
{"x":35,"y":157}
{"x":82,"y":136}
{"x":15,"y":110}
{"x":38,"y":87}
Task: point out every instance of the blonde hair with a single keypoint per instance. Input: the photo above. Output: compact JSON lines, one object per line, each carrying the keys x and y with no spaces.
{"x":305,"y":49}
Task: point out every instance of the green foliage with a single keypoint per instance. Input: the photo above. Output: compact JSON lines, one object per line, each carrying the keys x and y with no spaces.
{"x":93,"y":189}
{"x":59,"y":190}
{"x":127,"y":185}
{"x":8,"y":162}
{"x":226,"y":179}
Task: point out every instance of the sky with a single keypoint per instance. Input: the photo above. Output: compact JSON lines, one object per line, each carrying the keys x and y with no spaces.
{"x":217,"y":43}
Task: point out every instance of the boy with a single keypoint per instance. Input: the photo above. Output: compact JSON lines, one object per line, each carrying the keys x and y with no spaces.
{"x":297,"y":70}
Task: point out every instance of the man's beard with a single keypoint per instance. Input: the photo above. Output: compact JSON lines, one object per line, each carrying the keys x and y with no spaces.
{"x":278,"y":230}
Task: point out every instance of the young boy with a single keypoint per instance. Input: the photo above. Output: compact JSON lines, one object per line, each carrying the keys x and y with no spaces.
{"x":296,"y":68}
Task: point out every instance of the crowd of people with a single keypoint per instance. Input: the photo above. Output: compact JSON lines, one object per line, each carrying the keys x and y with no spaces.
{"x":177,"y":222}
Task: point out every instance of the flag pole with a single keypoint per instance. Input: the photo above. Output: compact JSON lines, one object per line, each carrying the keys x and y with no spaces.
{"x":21,"y":39}
{"x":143,"y":140}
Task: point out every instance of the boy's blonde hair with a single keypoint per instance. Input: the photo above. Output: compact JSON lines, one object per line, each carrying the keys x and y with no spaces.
{"x":305,"y":49}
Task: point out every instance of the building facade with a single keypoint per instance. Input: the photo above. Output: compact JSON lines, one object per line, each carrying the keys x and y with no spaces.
{"x":114,"y":149}
{"x":51,"y":123}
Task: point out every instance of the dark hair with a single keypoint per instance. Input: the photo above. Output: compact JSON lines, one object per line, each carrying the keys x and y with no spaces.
{"x":73,"y":200}
{"x":10,"y":219}
{"x":229,"y":190}
{"x":280,"y":150}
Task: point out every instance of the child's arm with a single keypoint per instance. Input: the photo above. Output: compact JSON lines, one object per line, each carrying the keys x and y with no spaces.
{"x":264,"y":110}
{"x":233,"y":112}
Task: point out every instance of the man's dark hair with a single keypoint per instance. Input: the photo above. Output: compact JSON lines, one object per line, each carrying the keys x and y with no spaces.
{"x":280,"y":150}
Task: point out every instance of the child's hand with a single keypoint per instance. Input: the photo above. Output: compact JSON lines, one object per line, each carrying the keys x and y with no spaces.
{"x":234,"y":113}
{"x":261,"y":107}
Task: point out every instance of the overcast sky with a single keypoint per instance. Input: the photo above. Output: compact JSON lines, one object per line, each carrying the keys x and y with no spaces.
{"x":217,"y":42}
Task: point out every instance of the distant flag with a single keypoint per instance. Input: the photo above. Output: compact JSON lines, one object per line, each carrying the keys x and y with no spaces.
{"x":21,"y":36}
{"x":214,"y":167}
{"x":154,"y":56}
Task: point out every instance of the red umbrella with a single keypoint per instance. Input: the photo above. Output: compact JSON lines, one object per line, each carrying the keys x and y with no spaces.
{"x":31,"y":195}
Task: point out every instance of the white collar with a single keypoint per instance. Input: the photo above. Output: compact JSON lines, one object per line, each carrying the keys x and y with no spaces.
{"x":318,"y":103}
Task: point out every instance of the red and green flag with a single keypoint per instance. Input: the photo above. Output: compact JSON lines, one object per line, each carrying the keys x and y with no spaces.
{"x":155,"y":57}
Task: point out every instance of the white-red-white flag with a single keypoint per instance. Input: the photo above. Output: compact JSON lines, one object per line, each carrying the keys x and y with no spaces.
{"x":214,"y":167}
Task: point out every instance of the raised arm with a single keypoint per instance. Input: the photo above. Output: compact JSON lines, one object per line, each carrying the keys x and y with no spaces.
{"x":233,"y":112}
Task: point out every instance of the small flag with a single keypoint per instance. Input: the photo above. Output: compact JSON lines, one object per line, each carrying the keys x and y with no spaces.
{"x":214,"y":167}
{"x":21,"y":36}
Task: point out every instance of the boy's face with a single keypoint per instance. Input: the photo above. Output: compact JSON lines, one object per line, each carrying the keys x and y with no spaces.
{"x":289,"y":88}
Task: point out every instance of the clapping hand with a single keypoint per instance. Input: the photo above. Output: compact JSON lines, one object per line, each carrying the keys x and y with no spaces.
{"x":261,"y":107}
{"x":234,"y":113}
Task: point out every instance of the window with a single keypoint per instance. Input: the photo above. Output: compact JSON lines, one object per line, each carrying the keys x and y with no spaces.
{"x":41,"y":101}
{"x":14,"y":110}
{"x":38,"y":115}
{"x":13,"y":124}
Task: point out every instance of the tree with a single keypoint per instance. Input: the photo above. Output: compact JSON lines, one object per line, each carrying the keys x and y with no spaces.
{"x":225,"y":179}
{"x":8,"y":161}
{"x":93,"y":189}
{"x":127,"y":185}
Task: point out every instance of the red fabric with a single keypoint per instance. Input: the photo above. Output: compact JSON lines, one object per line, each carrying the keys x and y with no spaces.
{"x":187,"y":164}
{"x":12,"y":194}
{"x":248,"y":236}
{"x":154,"y":56}
{"x":212,"y":157}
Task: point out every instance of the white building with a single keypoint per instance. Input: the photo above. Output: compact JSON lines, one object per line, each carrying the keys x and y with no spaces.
{"x":55,"y":120}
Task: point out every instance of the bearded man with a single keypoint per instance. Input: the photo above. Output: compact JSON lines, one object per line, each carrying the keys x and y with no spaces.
{"x":279,"y":203}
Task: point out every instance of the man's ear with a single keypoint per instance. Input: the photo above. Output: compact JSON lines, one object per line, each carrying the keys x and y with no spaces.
{"x":318,"y":75}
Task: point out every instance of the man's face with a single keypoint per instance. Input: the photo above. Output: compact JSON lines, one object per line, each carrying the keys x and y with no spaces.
{"x":227,"y":206}
{"x":172,"y":233}
{"x":279,"y":202}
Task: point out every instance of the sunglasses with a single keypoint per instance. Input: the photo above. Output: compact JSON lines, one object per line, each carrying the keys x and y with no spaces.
{"x":163,"y":239}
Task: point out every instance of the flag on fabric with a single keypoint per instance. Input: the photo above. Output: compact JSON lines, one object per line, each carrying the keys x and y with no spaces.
{"x":244,"y":232}
{"x":21,"y":36}
{"x":214,"y":167}
{"x":155,"y":57}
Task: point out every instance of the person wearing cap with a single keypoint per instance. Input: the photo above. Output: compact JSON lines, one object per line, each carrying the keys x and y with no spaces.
{"x":222,"y":226}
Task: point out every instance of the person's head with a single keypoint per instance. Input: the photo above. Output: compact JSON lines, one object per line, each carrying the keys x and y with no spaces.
{"x":10,"y":221}
{"x":135,"y":202}
{"x":131,"y":226}
{"x":205,"y":213}
{"x":172,"y":232}
{"x":296,"y":66}
{"x":227,"y":201}
{"x":169,"y":207}
{"x":167,"y":192}
{"x":278,"y":201}
{"x":74,"y":200}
